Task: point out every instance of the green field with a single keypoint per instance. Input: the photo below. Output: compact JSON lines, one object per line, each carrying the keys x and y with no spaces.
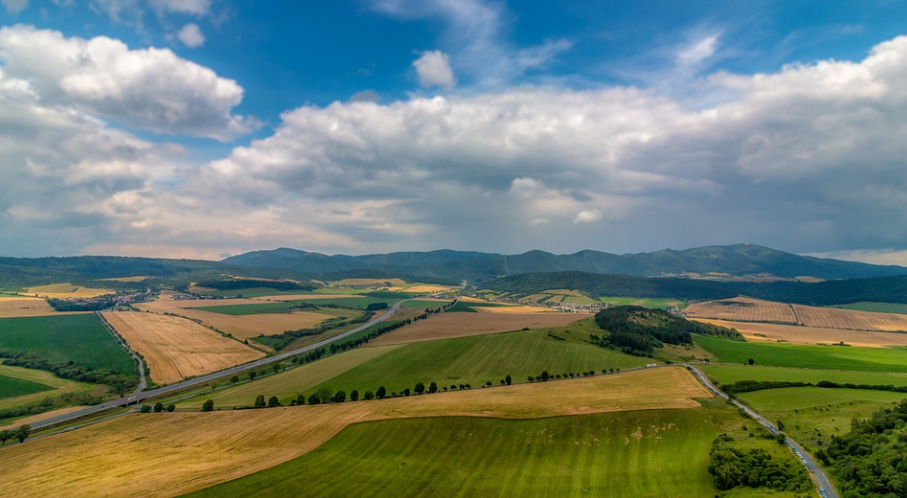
{"x":287,"y":385}
{"x":636,"y":454}
{"x":55,"y":386}
{"x":876,"y":307}
{"x":645,"y":303}
{"x":257,"y":292}
{"x":799,"y":398}
{"x":11,"y":387}
{"x":59,"y":339}
{"x":470,"y":307}
{"x":802,"y":356}
{"x":476,"y":360}
{"x":252,"y":309}
{"x":421,"y":303}
{"x":351,"y":302}
{"x":729,"y":374}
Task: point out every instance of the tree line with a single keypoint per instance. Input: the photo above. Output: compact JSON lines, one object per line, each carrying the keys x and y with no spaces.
{"x":731,"y":467}
{"x":71,"y":370}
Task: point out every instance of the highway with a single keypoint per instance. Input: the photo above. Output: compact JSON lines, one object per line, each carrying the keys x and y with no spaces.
{"x":819,"y":477}
{"x":141,"y":395}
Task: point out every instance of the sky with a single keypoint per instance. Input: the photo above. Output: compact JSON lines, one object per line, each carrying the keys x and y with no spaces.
{"x":209,"y":128}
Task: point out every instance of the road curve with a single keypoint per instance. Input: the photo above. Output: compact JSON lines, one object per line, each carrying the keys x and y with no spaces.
{"x":143,"y":395}
{"x":818,"y":475}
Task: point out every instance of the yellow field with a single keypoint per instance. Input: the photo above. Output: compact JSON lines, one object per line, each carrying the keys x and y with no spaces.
{"x":175,"y":348}
{"x":240,"y":326}
{"x":743,"y":309}
{"x":811,"y":335}
{"x":66,"y":290}
{"x":451,"y":325}
{"x":517,"y":309}
{"x":850,"y":319}
{"x":12,"y":307}
{"x":427,"y":288}
{"x":168,"y":454}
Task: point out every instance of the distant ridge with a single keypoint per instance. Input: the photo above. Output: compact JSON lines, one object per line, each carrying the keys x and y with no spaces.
{"x":734,"y":260}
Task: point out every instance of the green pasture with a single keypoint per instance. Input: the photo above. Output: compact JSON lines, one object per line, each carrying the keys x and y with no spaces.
{"x":51,"y":386}
{"x":252,"y":309}
{"x":635,"y":454}
{"x":799,"y":398}
{"x":470,"y":307}
{"x":422,"y":303}
{"x":729,"y":374}
{"x":258,"y":292}
{"x":806,"y":356}
{"x":62,"y":338}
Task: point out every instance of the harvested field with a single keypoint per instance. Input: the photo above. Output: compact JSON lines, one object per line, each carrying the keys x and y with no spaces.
{"x":11,"y":307}
{"x":451,"y":325}
{"x":174,"y":453}
{"x":66,"y":290}
{"x":175,"y":348}
{"x":811,"y":335}
{"x":515,"y":309}
{"x":427,"y":288}
{"x":240,"y":326}
{"x":850,"y":319}
{"x":743,"y":309}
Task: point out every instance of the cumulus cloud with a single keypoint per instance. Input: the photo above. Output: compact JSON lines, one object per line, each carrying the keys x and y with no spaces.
{"x":191,"y":36}
{"x":148,"y":88}
{"x":433,"y":68}
{"x":587,"y":216}
{"x":133,"y":11}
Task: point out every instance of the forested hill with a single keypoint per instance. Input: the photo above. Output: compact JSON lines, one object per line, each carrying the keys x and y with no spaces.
{"x":734,"y":260}
{"x":878,"y":289}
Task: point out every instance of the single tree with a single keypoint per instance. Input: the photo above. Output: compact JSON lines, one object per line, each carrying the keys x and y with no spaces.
{"x":145,"y":409}
{"x":406,"y":392}
{"x":252,"y":375}
{"x":208,"y":406}
{"x":314,"y":399}
{"x":339,"y":397}
{"x":545,"y":375}
{"x":158,"y":407}
{"x":508,"y":380}
{"x":369,"y":395}
{"x":276,"y":367}
{"x":259,"y":401}
{"x":420,"y":388}
{"x":234,"y":379}
{"x":354,"y":395}
{"x":433,"y":387}
{"x":751,"y":361}
{"x":300,"y":400}
{"x":381,"y":393}
{"x":780,"y":425}
{"x":5,"y":436}
{"x":22,"y":432}
{"x":273,"y":401}
{"x":488,"y":384}
{"x":170,"y":408}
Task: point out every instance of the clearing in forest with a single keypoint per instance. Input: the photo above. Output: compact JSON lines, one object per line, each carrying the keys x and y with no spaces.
{"x":174,"y":453}
{"x":175,"y":348}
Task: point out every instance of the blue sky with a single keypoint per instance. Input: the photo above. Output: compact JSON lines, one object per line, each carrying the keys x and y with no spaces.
{"x":201,"y":128}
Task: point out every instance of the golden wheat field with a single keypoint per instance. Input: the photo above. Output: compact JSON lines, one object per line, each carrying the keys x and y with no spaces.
{"x":66,"y":291}
{"x":175,"y":348}
{"x":743,"y":309}
{"x":12,"y":307}
{"x":240,"y":326}
{"x":811,"y":335}
{"x":451,"y":325}
{"x":168,"y":454}
{"x":850,"y":319}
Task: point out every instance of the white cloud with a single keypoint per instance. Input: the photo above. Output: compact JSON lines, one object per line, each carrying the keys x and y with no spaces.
{"x":191,"y":36}
{"x":194,"y":7}
{"x":433,"y":68}
{"x":15,"y":6}
{"x":587,"y":216}
{"x":148,"y":88}
{"x":133,"y":11}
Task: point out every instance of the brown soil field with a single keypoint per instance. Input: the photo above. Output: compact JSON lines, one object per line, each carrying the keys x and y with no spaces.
{"x":742,"y":309}
{"x":168,"y":454}
{"x":175,"y":348}
{"x":451,"y":325}
{"x":811,"y":335}
{"x":239,"y":326}
{"x":850,"y":319}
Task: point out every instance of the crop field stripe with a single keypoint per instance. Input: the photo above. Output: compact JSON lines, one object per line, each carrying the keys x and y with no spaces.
{"x":729,"y":374}
{"x":61,"y":338}
{"x":798,"y":398}
{"x":801,"y":356}
{"x":585,"y":455}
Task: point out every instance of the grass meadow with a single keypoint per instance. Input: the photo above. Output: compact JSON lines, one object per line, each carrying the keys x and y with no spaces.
{"x":729,"y":374}
{"x":645,"y":303}
{"x":11,"y":387}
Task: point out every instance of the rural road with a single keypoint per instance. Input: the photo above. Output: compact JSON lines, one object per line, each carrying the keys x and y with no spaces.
{"x":141,"y":396}
{"x":824,"y":485}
